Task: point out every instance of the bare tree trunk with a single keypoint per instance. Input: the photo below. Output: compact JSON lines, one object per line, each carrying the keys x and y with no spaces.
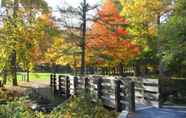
{"x":28,"y":75}
{"x":13,"y":54}
{"x":120,"y":69}
{"x":4,"y":76}
{"x":83,"y":38}
{"x":137,"y":69}
{"x":161,"y":66}
{"x":13,"y":68}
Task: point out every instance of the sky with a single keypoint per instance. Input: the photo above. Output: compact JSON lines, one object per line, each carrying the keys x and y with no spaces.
{"x":60,"y":3}
{"x":56,"y":3}
{"x":74,"y":3}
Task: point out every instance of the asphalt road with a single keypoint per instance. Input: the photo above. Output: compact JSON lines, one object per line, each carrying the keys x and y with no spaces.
{"x":159,"y":113}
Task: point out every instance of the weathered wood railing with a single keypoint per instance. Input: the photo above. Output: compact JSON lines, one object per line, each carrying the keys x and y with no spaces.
{"x":113,"y":92}
{"x":147,"y":92}
{"x":1,"y":83}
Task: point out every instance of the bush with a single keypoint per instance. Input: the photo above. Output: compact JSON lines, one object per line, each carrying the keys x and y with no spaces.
{"x":7,"y":95}
{"x":75,"y":107}
{"x":82,"y":107}
{"x":173,"y":90}
{"x":16,"y":109}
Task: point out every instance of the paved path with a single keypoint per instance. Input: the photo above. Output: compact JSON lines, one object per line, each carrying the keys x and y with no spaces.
{"x":159,"y":113}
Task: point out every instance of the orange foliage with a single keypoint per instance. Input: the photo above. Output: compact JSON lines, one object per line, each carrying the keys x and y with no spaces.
{"x":107,"y":33}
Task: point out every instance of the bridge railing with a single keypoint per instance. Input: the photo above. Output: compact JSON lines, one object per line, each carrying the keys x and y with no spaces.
{"x":112,"y":91}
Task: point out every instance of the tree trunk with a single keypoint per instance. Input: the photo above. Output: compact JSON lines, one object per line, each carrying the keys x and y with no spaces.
{"x":53,"y":68}
{"x":161,"y":66}
{"x":4,"y":76}
{"x":83,"y":37}
{"x":27,"y":75}
{"x":14,"y":69}
{"x":137,"y":69}
{"x":120,"y":69}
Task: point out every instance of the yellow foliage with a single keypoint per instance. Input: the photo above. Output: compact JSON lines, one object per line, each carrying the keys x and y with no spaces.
{"x":143,"y":16}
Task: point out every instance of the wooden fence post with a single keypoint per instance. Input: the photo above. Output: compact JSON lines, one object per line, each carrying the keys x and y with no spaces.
{"x":99,"y":87}
{"x":60,"y":83}
{"x":1,"y":83}
{"x":131,"y":97}
{"x":54,"y":84}
{"x":86,"y":83}
{"x":67,"y":87}
{"x":51,"y":80}
{"x":160,"y":96}
{"x":75,"y":85}
{"x":118,"y":96}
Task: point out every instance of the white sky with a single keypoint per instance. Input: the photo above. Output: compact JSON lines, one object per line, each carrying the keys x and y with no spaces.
{"x":74,"y":3}
{"x":56,"y":3}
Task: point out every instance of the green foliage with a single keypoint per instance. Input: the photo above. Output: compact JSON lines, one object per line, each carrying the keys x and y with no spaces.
{"x":176,"y":86}
{"x":83,"y":107}
{"x":24,"y":32}
{"x":38,"y":4}
{"x":180,"y":8}
{"x":16,"y":109}
{"x":143,"y":21}
{"x":75,"y":107}
{"x":173,"y":43}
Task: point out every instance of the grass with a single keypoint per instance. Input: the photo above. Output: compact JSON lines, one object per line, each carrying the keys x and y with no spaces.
{"x":33,"y":76}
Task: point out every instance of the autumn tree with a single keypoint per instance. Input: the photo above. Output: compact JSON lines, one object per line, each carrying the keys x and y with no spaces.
{"x":108,"y":37}
{"x":144,"y":18}
{"x":23,"y":33}
{"x":60,"y":52}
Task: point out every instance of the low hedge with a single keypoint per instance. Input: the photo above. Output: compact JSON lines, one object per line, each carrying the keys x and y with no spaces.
{"x":173,"y":90}
{"x":75,"y":107}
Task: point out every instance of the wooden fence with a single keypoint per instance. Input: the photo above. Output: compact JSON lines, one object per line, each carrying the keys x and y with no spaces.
{"x":1,"y":83}
{"x":113,"y":92}
{"x":147,"y":92}
{"x":123,"y":70}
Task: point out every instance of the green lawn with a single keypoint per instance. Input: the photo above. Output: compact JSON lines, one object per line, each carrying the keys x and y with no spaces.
{"x":33,"y":76}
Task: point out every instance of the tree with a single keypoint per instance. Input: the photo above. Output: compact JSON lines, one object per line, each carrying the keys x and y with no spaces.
{"x":144,"y":19}
{"x":77,"y":32}
{"x":108,"y":37}
{"x":61,"y":53}
{"x":19,"y":40}
{"x":36,"y":39}
{"x":173,"y":43}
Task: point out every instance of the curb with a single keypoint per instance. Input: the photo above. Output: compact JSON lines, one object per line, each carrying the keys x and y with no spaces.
{"x":123,"y":114}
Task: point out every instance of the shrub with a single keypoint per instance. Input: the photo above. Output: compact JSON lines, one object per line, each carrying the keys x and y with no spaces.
{"x":76,"y":107}
{"x":82,"y":107}
{"x":16,"y":109}
{"x":8,"y":95}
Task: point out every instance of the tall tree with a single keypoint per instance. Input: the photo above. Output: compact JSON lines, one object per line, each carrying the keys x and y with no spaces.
{"x":173,"y":41}
{"x":108,"y":37}
{"x":18,"y":22}
{"x":78,"y":32}
{"x":144,"y":18}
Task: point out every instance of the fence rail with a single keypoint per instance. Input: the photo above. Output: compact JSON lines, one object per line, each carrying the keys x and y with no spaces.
{"x":147,"y":92}
{"x":112,"y":91}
